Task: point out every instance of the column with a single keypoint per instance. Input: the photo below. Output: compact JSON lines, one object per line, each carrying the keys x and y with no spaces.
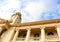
{"x":16,"y":35}
{"x":42,"y":34}
{"x":58,"y":31}
{"x":7,"y":36}
{"x":28,"y":35}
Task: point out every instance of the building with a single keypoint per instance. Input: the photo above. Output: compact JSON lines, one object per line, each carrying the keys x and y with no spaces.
{"x":40,"y":31}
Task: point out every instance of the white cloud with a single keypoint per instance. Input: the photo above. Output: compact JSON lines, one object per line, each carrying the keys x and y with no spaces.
{"x":31,"y":10}
{"x":35,"y":9}
{"x":7,"y":8}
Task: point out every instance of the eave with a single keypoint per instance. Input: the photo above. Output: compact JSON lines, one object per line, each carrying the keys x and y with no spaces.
{"x":37,"y":22}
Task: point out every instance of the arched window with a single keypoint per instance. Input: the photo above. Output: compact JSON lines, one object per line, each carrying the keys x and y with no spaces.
{"x":50,"y":33}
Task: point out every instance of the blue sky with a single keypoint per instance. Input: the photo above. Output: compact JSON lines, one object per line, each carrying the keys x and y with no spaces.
{"x":31,"y":10}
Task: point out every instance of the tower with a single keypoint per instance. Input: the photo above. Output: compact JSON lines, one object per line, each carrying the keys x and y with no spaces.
{"x":16,"y":18}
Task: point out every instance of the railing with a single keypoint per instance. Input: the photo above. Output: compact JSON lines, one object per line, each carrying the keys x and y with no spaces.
{"x":21,"y":39}
{"x":31,"y":38}
{"x":38,"y":39}
{"x":35,"y":38}
{"x":52,"y":37}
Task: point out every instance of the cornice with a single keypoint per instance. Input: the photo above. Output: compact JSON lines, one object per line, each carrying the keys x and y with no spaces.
{"x":9,"y":23}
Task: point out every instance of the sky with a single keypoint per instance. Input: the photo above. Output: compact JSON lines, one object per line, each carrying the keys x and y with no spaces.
{"x":31,"y":10}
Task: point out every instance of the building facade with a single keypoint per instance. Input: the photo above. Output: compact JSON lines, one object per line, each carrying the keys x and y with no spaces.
{"x":40,"y":31}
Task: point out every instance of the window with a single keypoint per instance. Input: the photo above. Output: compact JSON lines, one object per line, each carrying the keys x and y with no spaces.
{"x":50,"y":33}
{"x":36,"y":35}
{"x":24,"y":35}
{"x":19,"y":34}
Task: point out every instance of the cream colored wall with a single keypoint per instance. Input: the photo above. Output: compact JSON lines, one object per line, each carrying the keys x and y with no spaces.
{"x":10,"y":31}
{"x":11,"y":36}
